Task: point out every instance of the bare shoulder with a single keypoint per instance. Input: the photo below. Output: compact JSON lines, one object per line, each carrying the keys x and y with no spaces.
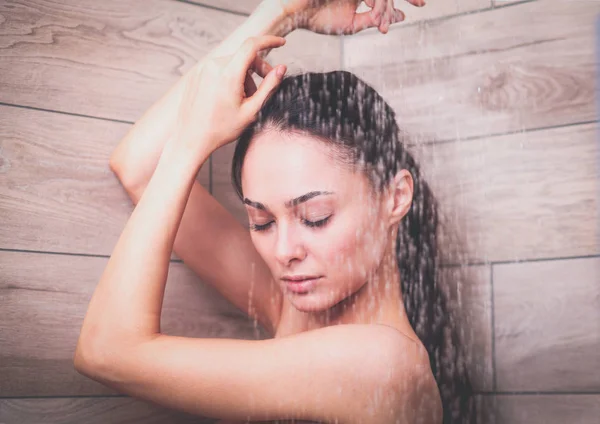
{"x":384,"y":373}
{"x":352,"y":373}
{"x":415,"y":390}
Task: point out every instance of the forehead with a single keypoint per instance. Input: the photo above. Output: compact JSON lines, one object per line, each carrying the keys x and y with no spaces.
{"x":279,"y":166}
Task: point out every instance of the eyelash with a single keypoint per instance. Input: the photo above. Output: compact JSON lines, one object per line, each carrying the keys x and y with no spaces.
{"x":312,"y":224}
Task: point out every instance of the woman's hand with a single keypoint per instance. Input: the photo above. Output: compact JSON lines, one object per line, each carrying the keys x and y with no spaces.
{"x":340,"y":17}
{"x":220,"y":98}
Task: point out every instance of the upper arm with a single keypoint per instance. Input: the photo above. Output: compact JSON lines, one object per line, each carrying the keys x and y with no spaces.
{"x":344,"y":373}
{"x":212,"y":243}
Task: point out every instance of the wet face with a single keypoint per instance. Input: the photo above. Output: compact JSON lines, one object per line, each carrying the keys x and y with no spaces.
{"x":311,"y":216}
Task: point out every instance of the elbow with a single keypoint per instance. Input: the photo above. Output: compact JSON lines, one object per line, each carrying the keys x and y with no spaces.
{"x":118,"y":169}
{"x":87,"y":358}
{"x":134,"y":185}
{"x":90,"y":357}
{"x":87,"y":363}
{"x":81,"y":361}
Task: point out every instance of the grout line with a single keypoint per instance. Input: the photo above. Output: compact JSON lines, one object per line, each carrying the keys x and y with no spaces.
{"x":41,"y":252}
{"x":64,"y":397}
{"x":538,"y":393}
{"x":493,"y":324}
{"x":511,"y":4}
{"x":66,"y":113}
{"x":500,"y":134}
{"x":445,"y":265}
{"x":208,"y":6}
{"x":483,"y":393}
{"x":517,"y":261}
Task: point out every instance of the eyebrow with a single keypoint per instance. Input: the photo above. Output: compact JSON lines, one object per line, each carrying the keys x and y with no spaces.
{"x":290,"y":203}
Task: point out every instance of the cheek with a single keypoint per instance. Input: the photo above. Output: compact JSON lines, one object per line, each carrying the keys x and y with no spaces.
{"x":348,"y":249}
{"x":358,"y":249}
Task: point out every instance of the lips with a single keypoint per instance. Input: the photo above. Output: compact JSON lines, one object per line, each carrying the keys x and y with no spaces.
{"x":301,"y":286}
{"x":295,"y":279}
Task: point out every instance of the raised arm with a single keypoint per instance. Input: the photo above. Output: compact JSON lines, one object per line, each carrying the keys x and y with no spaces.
{"x":135,"y":158}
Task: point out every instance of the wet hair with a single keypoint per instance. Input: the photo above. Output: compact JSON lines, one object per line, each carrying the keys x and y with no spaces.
{"x":360,"y":127}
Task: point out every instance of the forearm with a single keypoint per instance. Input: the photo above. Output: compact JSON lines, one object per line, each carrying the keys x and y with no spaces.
{"x":135,"y":158}
{"x":127,"y":302}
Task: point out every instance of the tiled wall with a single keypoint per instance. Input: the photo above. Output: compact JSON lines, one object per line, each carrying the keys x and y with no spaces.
{"x":74,"y":77}
{"x":500,"y":104}
{"x":499,"y":99}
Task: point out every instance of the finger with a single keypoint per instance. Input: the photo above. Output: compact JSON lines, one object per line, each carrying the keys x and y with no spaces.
{"x":249,"y":85}
{"x":383,"y":23}
{"x":261,"y":67}
{"x":363,"y":21}
{"x":247,"y":54}
{"x":378,"y":10}
{"x":418,"y":3}
{"x":398,"y":16}
{"x":252,"y":105}
{"x":388,"y":16}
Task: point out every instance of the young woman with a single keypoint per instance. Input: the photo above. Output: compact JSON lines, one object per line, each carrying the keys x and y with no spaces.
{"x":339,"y":264}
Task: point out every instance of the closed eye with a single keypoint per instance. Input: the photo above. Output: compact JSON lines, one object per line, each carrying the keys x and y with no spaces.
{"x":312,"y":224}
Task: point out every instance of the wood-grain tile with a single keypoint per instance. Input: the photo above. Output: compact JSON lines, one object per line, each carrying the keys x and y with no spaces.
{"x":109,"y":59}
{"x":542,"y":409}
{"x":305,"y":51}
{"x":58,"y":191}
{"x":547,"y":325}
{"x":44,"y":298}
{"x":531,"y":65}
{"x":469,"y":293}
{"x":117,"y":410}
{"x":517,"y":197}
{"x":115,"y":60}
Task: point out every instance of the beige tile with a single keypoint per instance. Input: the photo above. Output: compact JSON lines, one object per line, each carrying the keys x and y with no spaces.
{"x":92,"y":70}
{"x":517,"y":197}
{"x":305,"y":51}
{"x":112,"y":59}
{"x":530,"y":65}
{"x":547,"y":325}
{"x":543,"y":409}
{"x":119,"y":410}
{"x":58,"y":191}
{"x":44,"y":298}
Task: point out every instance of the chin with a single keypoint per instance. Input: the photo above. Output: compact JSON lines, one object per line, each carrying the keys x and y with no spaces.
{"x":313,"y":301}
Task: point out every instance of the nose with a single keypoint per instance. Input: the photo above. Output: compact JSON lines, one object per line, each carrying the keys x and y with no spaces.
{"x":289,"y":245}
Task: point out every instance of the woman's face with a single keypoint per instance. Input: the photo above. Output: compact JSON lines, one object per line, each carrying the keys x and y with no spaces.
{"x":335,"y":230}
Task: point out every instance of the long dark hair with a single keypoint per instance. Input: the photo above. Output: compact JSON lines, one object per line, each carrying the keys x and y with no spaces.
{"x":348,"y":114}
